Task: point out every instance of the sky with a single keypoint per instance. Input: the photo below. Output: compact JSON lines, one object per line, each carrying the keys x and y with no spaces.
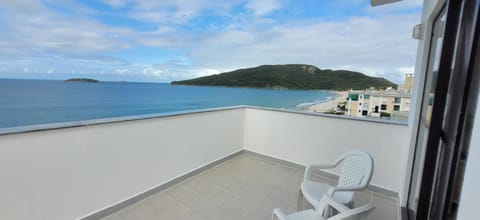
{"x":166,"y":40}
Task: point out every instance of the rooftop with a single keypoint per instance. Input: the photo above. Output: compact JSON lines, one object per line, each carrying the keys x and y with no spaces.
{"x":390,"y":92}
{"x":247,"y":186}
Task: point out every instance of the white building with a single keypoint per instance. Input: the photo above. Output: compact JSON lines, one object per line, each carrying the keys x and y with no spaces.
{"x":375,"y":103}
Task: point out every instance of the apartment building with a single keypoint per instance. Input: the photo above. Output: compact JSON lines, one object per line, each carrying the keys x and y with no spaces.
{"x":381,"y":103}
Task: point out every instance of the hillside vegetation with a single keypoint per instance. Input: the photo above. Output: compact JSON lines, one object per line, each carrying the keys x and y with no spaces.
{"x":81,"y":80}
{"x":291,"y":76}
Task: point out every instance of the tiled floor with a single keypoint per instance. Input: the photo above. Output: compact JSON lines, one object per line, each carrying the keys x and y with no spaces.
{"x":244,"y":187}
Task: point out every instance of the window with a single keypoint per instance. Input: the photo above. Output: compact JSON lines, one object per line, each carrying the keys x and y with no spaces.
{"x":364,"y":113}
{"x":383,"y":107}
{"x":397,"y":100}
{"x":396,"y":108}
{"x":366,"y":96}
{"x":353,"y":97}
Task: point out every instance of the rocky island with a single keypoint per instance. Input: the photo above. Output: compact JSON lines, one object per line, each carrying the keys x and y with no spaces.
{"x":81,"y":80}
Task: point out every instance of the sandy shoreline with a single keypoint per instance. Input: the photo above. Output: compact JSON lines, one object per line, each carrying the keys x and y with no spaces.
{"x":328,"y":105}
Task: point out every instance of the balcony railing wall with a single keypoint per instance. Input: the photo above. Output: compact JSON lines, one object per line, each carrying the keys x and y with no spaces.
{"x":72,"y":172}
{"x":69,"y":173}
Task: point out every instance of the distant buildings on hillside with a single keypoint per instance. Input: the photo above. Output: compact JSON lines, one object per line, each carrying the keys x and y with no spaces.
{"x":392,"y":103}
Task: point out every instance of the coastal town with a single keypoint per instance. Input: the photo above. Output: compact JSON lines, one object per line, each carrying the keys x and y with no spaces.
{"x":390,"y":103}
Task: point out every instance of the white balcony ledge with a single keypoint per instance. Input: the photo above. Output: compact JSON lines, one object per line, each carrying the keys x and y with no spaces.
{"x":61,"y":125}
{"x":69,"y":173}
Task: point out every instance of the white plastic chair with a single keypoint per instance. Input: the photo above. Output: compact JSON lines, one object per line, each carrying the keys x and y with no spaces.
{"x":355,"y":175}
{"x":326,"y":204}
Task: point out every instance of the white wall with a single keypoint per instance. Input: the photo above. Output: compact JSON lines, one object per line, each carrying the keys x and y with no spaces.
{"x":305,"y":139}
{"x":68,"y":173}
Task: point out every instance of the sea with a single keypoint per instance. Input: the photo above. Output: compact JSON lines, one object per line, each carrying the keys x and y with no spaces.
{"x":33,"y":102}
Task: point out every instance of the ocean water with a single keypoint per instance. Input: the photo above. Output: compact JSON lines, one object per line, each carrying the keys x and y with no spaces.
{"x":33,"y":102}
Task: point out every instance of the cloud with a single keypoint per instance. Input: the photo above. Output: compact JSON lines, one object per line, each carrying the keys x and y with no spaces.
{"x":50,"y":32}
{"x":23,"y":6}
{"x":167,"y":38}
{"x":206,"y":36}
{"x":122,"y":71}
{"x":50,"y":71}
{"x":116,"y":3}
{"x":25,"y":69}
{"x":264,"y":7}
{"x":370,"y":44}
{"x":358,"y":43}
{"x":171,"y":11}
{"x":176,"y":70}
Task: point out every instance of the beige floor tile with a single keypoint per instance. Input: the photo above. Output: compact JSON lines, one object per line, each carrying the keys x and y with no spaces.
{"x":162,"y":203}
{"x":244,"y":187}
{"x":257,"y":214}
{"x":237,"y":207}
{"x":178,"y":191}
{"x":362,"y":198}
{"x":221,"y":197}
{"x":385,"y":199}
{"x":113,"y":216}
{"x":383,"y":211}
{"x":269,"y":203}
{"x":137,"y":211}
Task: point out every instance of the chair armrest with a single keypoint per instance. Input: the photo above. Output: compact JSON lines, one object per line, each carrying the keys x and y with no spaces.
{"x":358,"y":212}
{"x":310,"y":168}
{"x":334,"y":189}
{"x":327,"y":201}
{"x":280,"y":215}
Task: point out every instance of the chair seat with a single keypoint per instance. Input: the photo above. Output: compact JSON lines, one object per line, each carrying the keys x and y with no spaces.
{"x":314,"y":191}
{"x":326,"y":204}
{"x":305,"y":215}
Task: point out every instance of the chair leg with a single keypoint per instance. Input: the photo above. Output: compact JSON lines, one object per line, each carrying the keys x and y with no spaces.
{"x":300,"y":200}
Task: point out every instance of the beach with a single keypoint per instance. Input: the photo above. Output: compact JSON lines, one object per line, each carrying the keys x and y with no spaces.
{"x":328,"y":105}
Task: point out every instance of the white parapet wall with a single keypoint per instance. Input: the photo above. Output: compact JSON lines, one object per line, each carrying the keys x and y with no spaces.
{"x":68,"y":173}
{"x":306,"y":139}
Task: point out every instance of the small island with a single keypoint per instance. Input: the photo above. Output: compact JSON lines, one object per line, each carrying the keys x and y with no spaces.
{"x":81,"y":80}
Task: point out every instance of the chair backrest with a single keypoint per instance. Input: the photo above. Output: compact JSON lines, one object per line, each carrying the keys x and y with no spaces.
{"x":356,"y":169}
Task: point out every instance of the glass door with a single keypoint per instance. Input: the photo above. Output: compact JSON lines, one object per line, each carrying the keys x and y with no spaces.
{"x":446,"y":111}
{"x":436,"y":42}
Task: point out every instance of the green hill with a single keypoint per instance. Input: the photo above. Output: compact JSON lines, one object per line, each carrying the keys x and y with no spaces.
{"x":291,"y":76}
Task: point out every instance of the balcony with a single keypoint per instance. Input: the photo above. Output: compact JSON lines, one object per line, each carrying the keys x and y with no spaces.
{"x":231,"y":163}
